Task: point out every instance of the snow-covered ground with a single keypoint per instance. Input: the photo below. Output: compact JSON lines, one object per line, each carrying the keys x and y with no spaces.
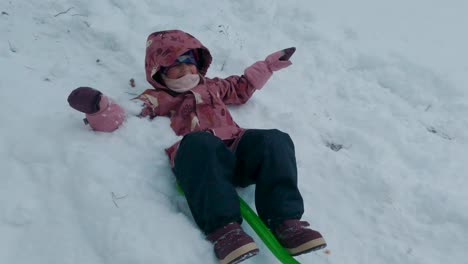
{"x":376,"y":102}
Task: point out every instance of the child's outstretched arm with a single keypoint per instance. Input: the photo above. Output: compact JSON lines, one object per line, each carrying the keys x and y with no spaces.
{"x":105,"y":115}
{"x":239,"y":89}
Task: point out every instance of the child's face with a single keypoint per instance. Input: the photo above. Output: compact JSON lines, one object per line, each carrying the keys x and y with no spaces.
{"x":179,"y":70}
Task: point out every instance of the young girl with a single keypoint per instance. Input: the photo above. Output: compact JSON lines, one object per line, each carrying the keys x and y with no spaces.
{"x":216,"y":155}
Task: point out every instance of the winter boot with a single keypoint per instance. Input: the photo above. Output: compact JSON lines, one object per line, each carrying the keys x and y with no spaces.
{"x":232,"y":244}
{"x":297,"y":239}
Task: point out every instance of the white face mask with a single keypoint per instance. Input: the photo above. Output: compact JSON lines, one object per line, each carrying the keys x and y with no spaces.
{"x":183,"y":84}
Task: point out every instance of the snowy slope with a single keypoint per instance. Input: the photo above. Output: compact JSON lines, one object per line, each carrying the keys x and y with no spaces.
{"x":376,"y":102}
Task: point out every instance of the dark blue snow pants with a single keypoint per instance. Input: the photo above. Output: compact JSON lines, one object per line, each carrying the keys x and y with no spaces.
{"x":208,"y":172}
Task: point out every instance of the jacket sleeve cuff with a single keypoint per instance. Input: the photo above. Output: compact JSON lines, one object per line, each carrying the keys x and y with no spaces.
{"x":258,"y":74}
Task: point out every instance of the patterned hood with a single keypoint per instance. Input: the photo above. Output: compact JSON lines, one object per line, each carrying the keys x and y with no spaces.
{"x":164,"y":47}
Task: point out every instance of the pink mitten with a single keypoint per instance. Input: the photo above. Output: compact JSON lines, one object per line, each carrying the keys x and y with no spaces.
{"x":102,"y":114}
{"x":85,"y":99}
{"x":108,"y":118}
{"x":280,"y":59}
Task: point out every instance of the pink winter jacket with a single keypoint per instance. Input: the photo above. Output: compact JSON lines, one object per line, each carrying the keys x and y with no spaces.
{"x":204,"y":107}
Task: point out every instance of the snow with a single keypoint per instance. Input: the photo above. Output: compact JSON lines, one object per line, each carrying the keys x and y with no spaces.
{"x":375,"y":100}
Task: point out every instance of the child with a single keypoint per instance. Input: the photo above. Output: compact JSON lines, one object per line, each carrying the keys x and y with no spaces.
{"x":216,"y":155}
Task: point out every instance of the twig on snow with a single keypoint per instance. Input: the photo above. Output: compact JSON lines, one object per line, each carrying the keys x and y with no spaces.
{"x":222,"y":66}
{"x":114,"y":198}
{"x":441,"y":134}
{"x":64,"y":12}
{"x":12,"y":49}
{"x":334,"y":146}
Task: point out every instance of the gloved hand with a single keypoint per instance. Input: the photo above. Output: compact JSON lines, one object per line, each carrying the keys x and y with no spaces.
{"x":280,"y":59}
{"x":85,"y":99}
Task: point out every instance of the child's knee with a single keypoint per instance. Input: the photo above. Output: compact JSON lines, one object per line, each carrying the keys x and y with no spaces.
{"x":269,"y":137}
{"x":199,"y":138}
